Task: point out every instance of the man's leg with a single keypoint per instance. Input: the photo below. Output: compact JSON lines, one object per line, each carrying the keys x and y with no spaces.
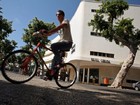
{"x":55,"y":48}
{"x":56,"y":59}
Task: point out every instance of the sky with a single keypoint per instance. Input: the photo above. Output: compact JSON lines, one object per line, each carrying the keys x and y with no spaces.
{"x":21,"y":12}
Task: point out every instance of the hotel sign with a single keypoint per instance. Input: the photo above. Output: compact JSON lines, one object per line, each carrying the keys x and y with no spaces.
{"x":100,"y":60}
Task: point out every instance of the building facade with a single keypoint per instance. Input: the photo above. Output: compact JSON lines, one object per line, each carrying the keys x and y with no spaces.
{"x":97,"y":60}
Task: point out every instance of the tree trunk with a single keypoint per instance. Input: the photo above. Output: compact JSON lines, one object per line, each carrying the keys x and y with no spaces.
{"x":118,"y":81}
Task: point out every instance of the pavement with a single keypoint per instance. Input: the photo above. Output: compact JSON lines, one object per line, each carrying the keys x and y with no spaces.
{"x":40,"y":92}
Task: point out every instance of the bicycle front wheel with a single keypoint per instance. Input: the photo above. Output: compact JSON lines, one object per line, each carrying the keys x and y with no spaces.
{"x":66,"y":75}
{"x":19,"y":66}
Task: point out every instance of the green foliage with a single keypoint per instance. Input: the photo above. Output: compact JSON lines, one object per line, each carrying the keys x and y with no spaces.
{"x":5,"y":28}
{"x":98,"y":23}
{"x":0,"y":14}
{"x":6,"y":45}
{"x":114,"y":8}
{"x":124,"y":29}
{"x":36,"y":25}
{"x":27,"y":47}
{"x":107,"y":22}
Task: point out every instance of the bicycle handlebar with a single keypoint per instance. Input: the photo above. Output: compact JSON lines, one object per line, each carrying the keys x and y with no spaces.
{"x":41,"y":33}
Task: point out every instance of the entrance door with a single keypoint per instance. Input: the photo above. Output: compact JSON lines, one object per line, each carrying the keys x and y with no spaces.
{"x":83,"y":75}
{"x":89,"y":75}
{"x":94,"y":75}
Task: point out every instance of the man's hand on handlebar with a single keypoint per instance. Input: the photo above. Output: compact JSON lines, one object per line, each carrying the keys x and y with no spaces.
{"x":41,"y":33}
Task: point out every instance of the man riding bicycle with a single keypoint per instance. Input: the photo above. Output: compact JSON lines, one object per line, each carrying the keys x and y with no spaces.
{"x":65,"y":42}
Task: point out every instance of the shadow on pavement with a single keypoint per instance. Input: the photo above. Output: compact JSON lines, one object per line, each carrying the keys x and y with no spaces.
{"x":23,"y":94}
{"x":109,"y":89}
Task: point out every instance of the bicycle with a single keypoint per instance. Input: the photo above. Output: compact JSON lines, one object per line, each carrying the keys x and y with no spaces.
{"x":21,"y":66}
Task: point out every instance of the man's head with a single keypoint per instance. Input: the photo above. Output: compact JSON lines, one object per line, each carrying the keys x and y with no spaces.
{"x":60,"y":15}
{"x":60,"y":12}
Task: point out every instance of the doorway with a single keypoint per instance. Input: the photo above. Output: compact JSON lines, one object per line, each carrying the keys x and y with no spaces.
{"x":94,"y":75}
{"x":89,"y":75}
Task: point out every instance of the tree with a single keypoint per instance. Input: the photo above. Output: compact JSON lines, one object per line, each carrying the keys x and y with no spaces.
{"x":108,"y":24}
{"x":6,"y":45}
{"x":0,"y":14}
{"x":35,"y":25}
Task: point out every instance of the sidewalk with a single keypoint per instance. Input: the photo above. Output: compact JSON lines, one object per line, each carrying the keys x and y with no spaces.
{"x":40,"y":92}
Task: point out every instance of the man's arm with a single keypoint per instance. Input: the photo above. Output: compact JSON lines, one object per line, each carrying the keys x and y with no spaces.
{"x":56,"y":29}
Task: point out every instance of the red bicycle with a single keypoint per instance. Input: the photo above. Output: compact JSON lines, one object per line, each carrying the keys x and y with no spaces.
{"x":21,"y":66}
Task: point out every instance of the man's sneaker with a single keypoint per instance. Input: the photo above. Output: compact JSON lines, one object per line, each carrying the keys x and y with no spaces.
{"x":48,"y":75}
{"x":47,"y":78}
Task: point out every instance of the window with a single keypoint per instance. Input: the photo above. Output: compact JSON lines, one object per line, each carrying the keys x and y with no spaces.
{"x":93,"y":10}
{"x":131,"y":81}
{"x":93,"y":53}
{"x":101,"y":54}
{"x":73,"y":49}
{"x":94,"y":33}
{"x":110,"y":55}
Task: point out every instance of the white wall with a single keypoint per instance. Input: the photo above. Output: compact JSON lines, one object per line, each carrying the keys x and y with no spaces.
{"x":86,"y":43}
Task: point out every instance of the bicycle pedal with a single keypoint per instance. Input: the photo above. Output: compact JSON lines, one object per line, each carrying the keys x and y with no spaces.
{"x":47,"y":78}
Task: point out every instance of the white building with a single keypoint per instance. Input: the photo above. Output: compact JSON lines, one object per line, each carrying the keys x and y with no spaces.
{"x":95,"y":56}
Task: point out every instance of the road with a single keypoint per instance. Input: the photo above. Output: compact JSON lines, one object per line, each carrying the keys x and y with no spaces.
{"x":40,"y":92}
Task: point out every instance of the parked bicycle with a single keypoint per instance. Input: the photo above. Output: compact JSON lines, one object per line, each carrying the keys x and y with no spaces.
{"x":21,"y":66}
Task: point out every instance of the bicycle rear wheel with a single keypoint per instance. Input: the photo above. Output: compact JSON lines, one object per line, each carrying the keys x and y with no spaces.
{"x":66,"y":75}
{"x":19,"y":67}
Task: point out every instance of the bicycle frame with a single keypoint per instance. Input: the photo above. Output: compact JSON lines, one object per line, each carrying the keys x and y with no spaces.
{"x":27,"y":59}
